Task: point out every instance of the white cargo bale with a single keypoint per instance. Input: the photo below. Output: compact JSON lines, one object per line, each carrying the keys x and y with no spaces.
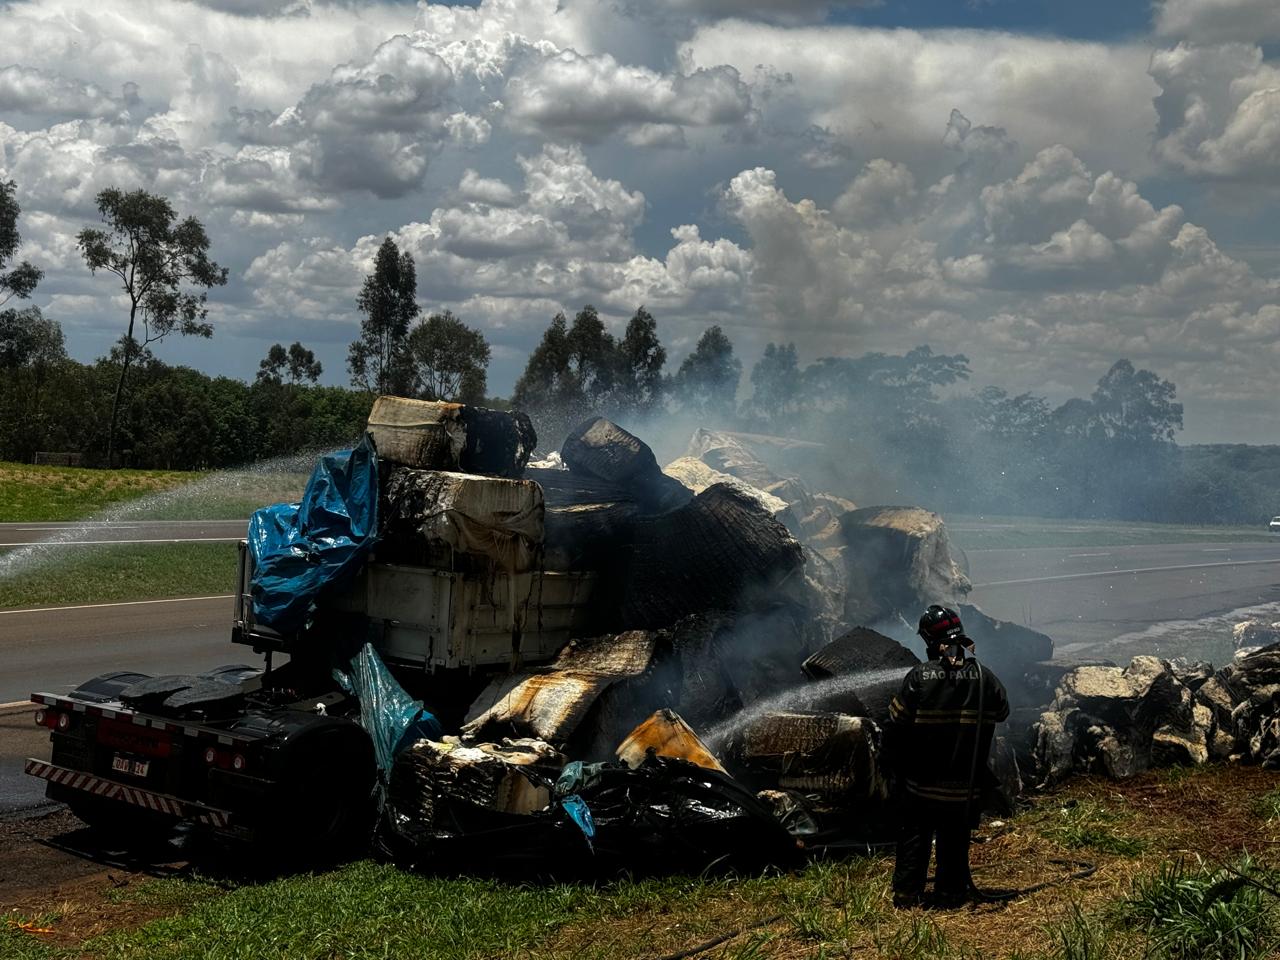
{"x":433,"y":435}
{"x":697,"y":476}
{"x":501,"y":520}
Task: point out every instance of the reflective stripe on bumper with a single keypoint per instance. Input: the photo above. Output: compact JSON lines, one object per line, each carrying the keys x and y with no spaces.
{"x":138,"y":797}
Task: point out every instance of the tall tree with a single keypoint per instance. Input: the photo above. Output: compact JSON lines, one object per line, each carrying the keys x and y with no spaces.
{"x":775,"y":381}
{"x":448,"y":359}
{"x":707,"y":382}
{"x":642,"y":359}
{"x":378,"y":361}
{"x":22,"y":277}
{"x":1136,"y":405}
{"x":164,"y":269}
{"x":302,"y":364}
{"x":31,"y":352}
{"x":271,"y":367}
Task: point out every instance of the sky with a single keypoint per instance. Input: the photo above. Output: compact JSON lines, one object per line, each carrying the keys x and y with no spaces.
{"x":1045,"y":187}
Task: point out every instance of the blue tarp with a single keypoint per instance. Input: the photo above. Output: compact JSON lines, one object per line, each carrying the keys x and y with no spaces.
{"x":392,"y":718}
{"x":301,"y":549}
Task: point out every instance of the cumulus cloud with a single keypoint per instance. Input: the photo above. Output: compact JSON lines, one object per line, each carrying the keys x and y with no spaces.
{"x":1218,"y":21}
{"x":887,"y":92}
{"x":1219,"y":111}
{"x":31,"y":90}
{"x":591,"y":97}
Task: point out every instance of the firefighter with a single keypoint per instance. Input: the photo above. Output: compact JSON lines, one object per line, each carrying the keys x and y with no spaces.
{"x":938,"y":737}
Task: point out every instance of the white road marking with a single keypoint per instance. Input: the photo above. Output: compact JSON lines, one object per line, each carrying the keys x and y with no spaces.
{"x":122,"y":603}
{"x":1216,"y":550}
{"x":1072,"y":556}
{"x":1120,"y":573}
{"x":72,"y":526}
{"x":98,"y":543}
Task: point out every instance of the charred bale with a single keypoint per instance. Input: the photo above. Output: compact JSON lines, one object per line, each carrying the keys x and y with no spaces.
{"x":898,"y":560}
{"x":428,"y":516}
{"x":719,"y":552}
{"x":832,"y":756}
{"x":601,"y":449}
{"x":697,"y":476}
{"x":585,"y":521}
{"x":552,"y":704}
{"x":665,"y":734}
{"x":1009,"y":649}
{"x":858,"y":673}
{"x":433,"y":435}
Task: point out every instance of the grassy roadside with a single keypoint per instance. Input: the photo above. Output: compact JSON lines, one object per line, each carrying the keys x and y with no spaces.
{"x":29,"y":494}
{"x":65,"y":575}
{"x":1151,"y":895}
{"x":991,"y":532}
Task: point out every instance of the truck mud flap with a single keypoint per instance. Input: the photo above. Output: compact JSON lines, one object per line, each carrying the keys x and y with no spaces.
{"x":146,"y":799}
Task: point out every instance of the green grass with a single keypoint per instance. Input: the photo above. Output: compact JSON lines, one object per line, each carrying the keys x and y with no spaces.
{"x":1194,"y":912}
{"x":1089,"y":825}
{"x":29,"y":494}
{"x":68,"y":575}
{"x":1267,"y":806}
{"x":17,"y":944}
{"x":991,"y":532}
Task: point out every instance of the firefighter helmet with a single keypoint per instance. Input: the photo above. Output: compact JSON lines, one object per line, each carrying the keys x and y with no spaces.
{"x":940,"y":626}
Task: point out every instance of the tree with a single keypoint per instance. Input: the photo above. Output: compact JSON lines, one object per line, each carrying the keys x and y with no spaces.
{"x":23,"y":277}
{"x":378,"y":361}
{"x":164,"y":269}
{"x":775,"y":380}
{"x":303,"y":364}
{"x":271,"y":367}
{"x":31,"y":352}
{"x":707,"y":381}
{"x":640,"y":386}
{"x":1136,"y":405}
{"x":448,"y":359}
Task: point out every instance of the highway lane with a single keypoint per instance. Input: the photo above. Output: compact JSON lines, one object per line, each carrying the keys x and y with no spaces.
{"x":1085,"y":597}
{"x":132,"y":531}
{"x":54,"y":649}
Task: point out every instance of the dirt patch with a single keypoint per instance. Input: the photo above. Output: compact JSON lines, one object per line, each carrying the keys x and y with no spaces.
{"x":55,"y":869}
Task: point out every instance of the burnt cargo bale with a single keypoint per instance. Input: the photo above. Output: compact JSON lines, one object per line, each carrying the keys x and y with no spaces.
{"x":433,"y":435}
{"x":860,"y":649}
{"x":830,"y":755}
{"x":435,"y":787}
{"x":428,"y":515}
{"x":728,"y":454}
{"x":697,"y":476}
{"x":898,"y":560}
{"x":665,"y":734}
{"x":585,"y":520}
{"x":552,"y":704}
{"x":721,"y":552}
{"x":600,"y":448}
{"x":858,"y":673}
{"x":1007,"y":648}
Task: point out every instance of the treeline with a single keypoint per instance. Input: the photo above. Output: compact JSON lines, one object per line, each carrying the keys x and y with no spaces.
{"x":171,"y":417}
{"x":888,"y":428}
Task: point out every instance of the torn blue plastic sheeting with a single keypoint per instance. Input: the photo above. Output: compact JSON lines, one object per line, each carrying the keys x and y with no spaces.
{"x":302,"y":549}
{"x":580,"y":814}
{"x":391,"y":717}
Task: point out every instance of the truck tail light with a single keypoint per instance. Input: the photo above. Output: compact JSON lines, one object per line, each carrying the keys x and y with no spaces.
{"x":225,"y":760}
{"x":237,"y":762}
{"x":40,"y":715}
{"x":64,"y":721}
{"x":53,"y":719}
{"x":210,"y":756}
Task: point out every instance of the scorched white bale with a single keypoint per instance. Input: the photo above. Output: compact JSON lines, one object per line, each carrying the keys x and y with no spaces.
{"x":898,"y":560}
{"x":432,"y":435}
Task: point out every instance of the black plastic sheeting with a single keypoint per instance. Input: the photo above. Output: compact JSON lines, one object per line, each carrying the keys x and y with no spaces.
{"x":666,"y":816}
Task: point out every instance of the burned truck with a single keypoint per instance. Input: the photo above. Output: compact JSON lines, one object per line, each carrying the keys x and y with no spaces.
{"x":434,"y":591}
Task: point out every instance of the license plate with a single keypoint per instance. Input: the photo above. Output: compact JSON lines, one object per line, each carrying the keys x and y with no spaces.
{"x":136,"y":768}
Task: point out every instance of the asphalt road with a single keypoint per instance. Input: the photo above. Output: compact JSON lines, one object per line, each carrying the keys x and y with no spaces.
{"x":54,"y":649}
{"x":1085,"y":596}
{"x":138,"y":531}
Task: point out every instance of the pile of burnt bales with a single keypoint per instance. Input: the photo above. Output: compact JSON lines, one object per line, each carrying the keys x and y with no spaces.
{"x":1120,"y":721}
{"x":718,"y":586}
